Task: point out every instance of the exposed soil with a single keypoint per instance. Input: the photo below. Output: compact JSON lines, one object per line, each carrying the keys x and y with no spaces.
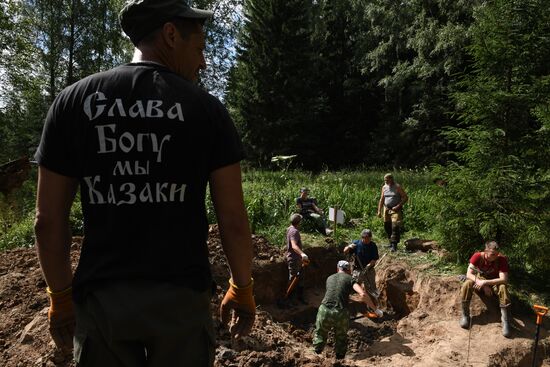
{"x":420,"y":326}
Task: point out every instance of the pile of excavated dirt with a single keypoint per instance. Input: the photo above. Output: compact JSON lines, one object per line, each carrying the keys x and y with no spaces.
{"x":419,"y":328}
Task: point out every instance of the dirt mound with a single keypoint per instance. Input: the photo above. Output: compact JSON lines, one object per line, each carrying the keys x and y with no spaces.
{"x":420,"y":327}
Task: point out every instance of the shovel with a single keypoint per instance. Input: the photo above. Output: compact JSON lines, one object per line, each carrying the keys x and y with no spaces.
{"x":292,"y":285}
{"x":540,"y":311}
{"x":373,"y":293}
{"x":295,"y":280}
{"x":370,"y":315}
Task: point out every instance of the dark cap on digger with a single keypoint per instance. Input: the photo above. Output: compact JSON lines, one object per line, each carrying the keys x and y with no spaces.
{"x":138,"y":18}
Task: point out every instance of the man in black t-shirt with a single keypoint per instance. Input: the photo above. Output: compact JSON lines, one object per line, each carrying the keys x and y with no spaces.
{"x":142,"y":142}
{"x":307,"y":207}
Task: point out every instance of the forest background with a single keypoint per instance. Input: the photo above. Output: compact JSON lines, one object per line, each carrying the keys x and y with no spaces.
{"x":456,"y":91}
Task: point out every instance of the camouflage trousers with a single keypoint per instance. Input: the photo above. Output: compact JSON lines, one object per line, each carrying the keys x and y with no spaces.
{"x":393,"y":224}
{"x":500,"y":290}
{"x":327,"y":319}
{"x":318,"y":221}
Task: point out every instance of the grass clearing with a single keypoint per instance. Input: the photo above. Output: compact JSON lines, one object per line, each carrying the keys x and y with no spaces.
{"x":270,"y":198}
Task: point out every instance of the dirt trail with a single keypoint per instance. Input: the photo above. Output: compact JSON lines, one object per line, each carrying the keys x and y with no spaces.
{"x":420,"y":327}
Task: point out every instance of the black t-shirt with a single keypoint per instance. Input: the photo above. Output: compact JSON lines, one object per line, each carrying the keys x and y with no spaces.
{"x":142,"y":141}
{"x":306,"y":206}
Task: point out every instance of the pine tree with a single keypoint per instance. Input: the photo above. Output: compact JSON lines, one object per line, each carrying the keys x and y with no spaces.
{"x":49,"y":45}
{"x":412,"y":53}
{"x":348,"y":116}
{"x":499,"y":184}
{"x":272,"y":90}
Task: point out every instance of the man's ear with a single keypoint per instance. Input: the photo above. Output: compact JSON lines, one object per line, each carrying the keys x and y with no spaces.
{"x":169,"y":34}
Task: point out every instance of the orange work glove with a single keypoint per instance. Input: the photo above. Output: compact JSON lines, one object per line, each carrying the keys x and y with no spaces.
{"x":61,"y":318}
{"x":241,"y":301}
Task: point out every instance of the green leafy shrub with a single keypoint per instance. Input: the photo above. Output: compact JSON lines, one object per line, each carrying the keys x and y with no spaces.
{"x":499,"y":177}
{"x":76,"y":219}
{"x":19,"y":234}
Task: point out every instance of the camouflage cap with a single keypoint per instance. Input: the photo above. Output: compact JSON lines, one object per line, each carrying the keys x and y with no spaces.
{"x":138,"y":18}
{"x":343,"y":265}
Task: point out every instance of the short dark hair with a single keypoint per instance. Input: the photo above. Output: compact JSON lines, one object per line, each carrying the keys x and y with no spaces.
{"x":366,"y":233}
{"x":295,"y":218}
{"x":491,"y":245}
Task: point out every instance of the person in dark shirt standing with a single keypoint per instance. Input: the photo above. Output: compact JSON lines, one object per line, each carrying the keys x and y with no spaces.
{"x":333,"y":312}
{"x":143,"y":141}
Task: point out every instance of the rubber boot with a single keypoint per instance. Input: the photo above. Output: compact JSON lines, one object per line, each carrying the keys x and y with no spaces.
{"x":465,"y":318}
{"x":300,"y":294}
{"x":505,"y":318}
{"x":388,"y":229}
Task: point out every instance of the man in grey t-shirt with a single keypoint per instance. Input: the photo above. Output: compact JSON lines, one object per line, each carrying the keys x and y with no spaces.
{"x":392,"y":199}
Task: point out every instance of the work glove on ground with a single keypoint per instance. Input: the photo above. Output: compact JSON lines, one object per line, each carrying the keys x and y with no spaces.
{"x":241,"y":301}
{"x":62,"y":319}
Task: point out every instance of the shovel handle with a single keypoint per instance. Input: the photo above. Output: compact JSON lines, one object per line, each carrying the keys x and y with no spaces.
{"x":540,"y":311}
{"x":295,"y":280}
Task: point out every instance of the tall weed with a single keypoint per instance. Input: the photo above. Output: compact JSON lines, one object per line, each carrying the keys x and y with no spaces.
{"x":270,"y":198}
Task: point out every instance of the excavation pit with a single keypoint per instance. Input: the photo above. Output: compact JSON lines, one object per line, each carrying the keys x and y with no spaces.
{"x":420,"y":326}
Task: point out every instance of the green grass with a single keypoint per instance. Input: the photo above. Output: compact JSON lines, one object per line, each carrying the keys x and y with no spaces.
{"x":270,"y":200}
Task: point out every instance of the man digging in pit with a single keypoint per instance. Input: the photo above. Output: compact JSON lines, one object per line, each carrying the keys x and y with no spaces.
{"x":366,"y":255}
{"x":143,"y":141}
{"x":333,"y":312}
{"x":487,"y":274}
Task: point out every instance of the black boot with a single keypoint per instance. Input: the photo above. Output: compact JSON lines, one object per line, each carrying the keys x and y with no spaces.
{"x":388,"y":229}
{"x":465,"y":318}
{"x":505,"y":318}
{"x":300,"y":295}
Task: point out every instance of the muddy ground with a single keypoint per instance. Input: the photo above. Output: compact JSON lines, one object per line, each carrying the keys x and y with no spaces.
{"x":419,"y":328}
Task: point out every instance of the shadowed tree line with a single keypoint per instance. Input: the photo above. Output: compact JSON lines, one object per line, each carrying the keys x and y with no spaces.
{"x":344,"y":82}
